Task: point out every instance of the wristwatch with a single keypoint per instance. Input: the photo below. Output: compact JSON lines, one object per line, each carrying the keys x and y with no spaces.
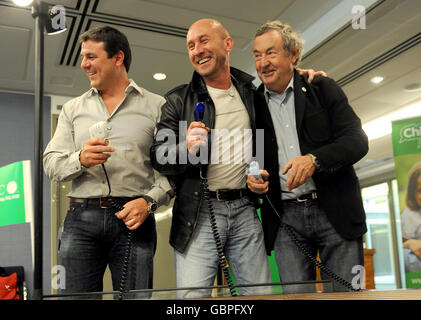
{"x":81,"y":162}
{"x":152,"y":204}
{"x":315,"y":161}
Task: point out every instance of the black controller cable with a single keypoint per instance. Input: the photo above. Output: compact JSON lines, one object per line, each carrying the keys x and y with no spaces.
{"x":223,"y":262}
{"x":305,"y":251}
{"x":127,"y":254}
{"x":199,"y":113}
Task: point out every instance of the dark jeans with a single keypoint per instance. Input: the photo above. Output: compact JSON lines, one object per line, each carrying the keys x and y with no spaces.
{"x":314,"y":230}
{"x":93,"y":238}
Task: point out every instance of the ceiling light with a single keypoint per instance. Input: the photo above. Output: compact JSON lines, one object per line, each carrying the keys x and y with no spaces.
{"x":412,"y":87}
{"x":22,"y":3}
{"x":376,"y":80}
{"x":383,"y":126}
{"x":159,"y":76}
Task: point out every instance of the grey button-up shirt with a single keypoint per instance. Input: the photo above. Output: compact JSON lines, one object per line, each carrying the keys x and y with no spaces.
{"x":282,"y":110}
{"x":130,"y":130}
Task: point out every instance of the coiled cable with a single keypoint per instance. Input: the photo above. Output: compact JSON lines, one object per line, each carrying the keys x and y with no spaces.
{"x":304,"y":250}
{"x":223,"y":262}
{"x":129,"y":243}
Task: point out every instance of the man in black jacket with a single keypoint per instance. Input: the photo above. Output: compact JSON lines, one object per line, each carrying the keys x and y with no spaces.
{"x":309,"y":177}
{"x":228,"y":97}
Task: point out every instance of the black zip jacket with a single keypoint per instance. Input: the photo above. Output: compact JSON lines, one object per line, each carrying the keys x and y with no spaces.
{"x":184,"y":175}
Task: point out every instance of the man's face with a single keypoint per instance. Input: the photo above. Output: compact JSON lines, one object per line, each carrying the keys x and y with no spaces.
{"x":273,"y":65}
{"x":207,"y":48}
{"x":98,"y":67}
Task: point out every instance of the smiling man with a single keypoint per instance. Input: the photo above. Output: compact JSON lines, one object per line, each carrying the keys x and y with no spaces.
{"x":95,"y":233}
{"x":312,"y":139}
{"x":228,"y":97}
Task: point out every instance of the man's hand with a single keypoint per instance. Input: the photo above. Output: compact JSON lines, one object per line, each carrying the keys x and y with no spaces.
{"x":260,"y":185}
{"x":197,"y":136}
{"x":93,"y":152}
{"x":300,"y":170}
{"x":134,"y":213}
{"x":311,"y":73}
{"x":414,"y":245}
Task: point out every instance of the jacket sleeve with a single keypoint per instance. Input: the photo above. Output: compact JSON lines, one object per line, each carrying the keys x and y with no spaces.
{"x":169,"y":149}
{"x":348,"y":143}
{"x":161,"y":190}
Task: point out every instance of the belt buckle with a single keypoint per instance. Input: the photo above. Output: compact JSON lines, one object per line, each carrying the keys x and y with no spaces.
{"x":313,"y":197}
{"x":100,"y":204}
{"x":217,"y":195}
{"x":301,"y":200}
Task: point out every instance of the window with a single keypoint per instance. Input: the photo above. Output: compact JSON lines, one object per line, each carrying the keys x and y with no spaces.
{"x":381,"y":234}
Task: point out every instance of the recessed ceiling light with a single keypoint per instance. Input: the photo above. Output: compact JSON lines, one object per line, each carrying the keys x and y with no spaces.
{"x":22,"y":3}
{"x":160,"y":76}
{"x":376,"y":80}
{"x":412,"y":87}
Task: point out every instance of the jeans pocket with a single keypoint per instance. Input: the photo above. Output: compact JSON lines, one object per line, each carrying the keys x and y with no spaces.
{"x":248,"y":202}
{"x":71,"y":215}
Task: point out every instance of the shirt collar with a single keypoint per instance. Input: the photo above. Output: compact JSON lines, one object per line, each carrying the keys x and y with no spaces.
{"x":92,"y":91}
{"x":290,"y":87}
{"x":132,"y":86}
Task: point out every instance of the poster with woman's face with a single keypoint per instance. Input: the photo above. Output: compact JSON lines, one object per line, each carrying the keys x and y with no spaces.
{"x":406,"y":135}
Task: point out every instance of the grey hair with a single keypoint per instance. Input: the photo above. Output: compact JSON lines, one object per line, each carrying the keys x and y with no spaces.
{"x":291,"y":39}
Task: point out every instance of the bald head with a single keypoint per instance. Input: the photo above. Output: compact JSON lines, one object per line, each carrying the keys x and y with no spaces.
{"x":211,"y":25}
{"x":209,"y":46}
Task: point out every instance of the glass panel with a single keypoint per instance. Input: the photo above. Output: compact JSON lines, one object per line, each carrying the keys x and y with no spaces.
{"x":398,"y":230}
{"x":378,"y":237}
{"x":222,"y":291}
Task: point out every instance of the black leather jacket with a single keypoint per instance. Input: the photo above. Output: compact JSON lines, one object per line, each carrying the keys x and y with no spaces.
{"x":185,"y":176}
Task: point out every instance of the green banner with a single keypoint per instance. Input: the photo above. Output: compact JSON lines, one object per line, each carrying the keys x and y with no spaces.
{"x":406,"y":138}
{"x":12,"y":194}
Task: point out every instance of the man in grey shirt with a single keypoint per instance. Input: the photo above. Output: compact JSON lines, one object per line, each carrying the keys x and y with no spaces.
{"x":102,"y":144}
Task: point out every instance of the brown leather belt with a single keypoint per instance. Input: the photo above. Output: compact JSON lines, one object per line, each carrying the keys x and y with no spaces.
{"x":100,"y":202}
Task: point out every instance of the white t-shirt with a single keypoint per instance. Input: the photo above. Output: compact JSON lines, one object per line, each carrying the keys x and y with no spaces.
{"x":231,"y":140}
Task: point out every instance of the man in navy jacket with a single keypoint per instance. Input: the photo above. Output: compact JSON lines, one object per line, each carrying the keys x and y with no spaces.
{"x":308,"y":178}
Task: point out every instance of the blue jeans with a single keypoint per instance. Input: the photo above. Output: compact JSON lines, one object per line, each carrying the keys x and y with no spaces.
{"x":242,"y":238}
{"x":314,"y":230}
{"x":93,"y":238}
